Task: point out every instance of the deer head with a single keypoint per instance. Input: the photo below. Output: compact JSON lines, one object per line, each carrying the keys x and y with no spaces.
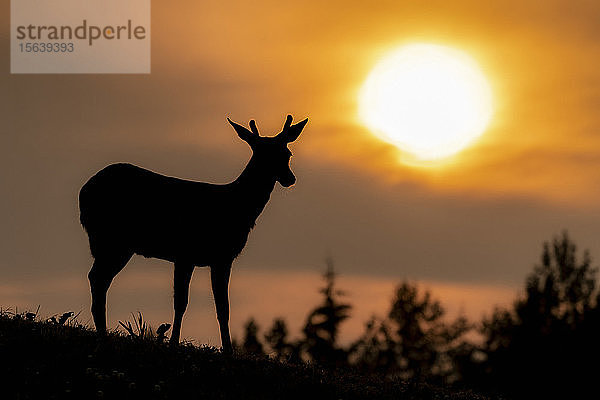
{"x":271,"y":155}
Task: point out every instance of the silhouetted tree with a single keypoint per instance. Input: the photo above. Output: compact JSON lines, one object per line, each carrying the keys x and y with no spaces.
{"x":277,"y":339}
{"x":252,"y":344}
{"x":375,"y":350}
{"x":322,"y":325}
{"x":414,"y":341}
{"x":418,"y":329}
{"x":541,"y":346}
{"x":560,"y":290}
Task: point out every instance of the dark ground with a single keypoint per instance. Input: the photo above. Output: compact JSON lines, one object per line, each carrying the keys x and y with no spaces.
{"x":46,"y":360}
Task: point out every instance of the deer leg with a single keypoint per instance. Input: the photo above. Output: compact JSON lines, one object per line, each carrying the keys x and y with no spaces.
{"x":219,"y":276}
{"x":181,"y":288}
{"x":100,"y":276}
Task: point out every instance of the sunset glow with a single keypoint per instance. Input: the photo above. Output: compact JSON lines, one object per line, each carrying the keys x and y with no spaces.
{"x":446,"y":142}
{"x":431,"y":101}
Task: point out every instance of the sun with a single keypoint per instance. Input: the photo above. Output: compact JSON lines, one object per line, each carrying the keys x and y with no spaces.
{"x":430,"y":101}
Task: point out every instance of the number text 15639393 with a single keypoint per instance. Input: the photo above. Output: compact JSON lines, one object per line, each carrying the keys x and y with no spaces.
{"x":46,"y":47}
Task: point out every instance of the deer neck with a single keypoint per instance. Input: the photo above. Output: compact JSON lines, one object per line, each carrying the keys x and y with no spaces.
{"x":254,"y":189}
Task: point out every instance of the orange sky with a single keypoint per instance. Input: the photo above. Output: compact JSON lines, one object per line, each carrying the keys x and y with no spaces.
{"x":478,"y":221}
{"x":264,"y":295}
{"x":540,"y":57}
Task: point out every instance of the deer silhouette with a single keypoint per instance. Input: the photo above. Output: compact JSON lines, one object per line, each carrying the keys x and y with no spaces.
{"x":128,"y":210}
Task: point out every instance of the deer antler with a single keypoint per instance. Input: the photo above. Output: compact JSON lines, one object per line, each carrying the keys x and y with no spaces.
{"x":253,"y":127}
{"x":287,"y":124}
{"x":291,"y":132}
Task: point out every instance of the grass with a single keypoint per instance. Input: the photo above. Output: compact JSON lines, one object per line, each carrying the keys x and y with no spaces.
{"x":56,"y":359}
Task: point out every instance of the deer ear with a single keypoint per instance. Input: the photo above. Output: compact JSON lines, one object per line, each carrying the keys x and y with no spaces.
{"x":291,"y":132}
{"x":244,"y":133}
